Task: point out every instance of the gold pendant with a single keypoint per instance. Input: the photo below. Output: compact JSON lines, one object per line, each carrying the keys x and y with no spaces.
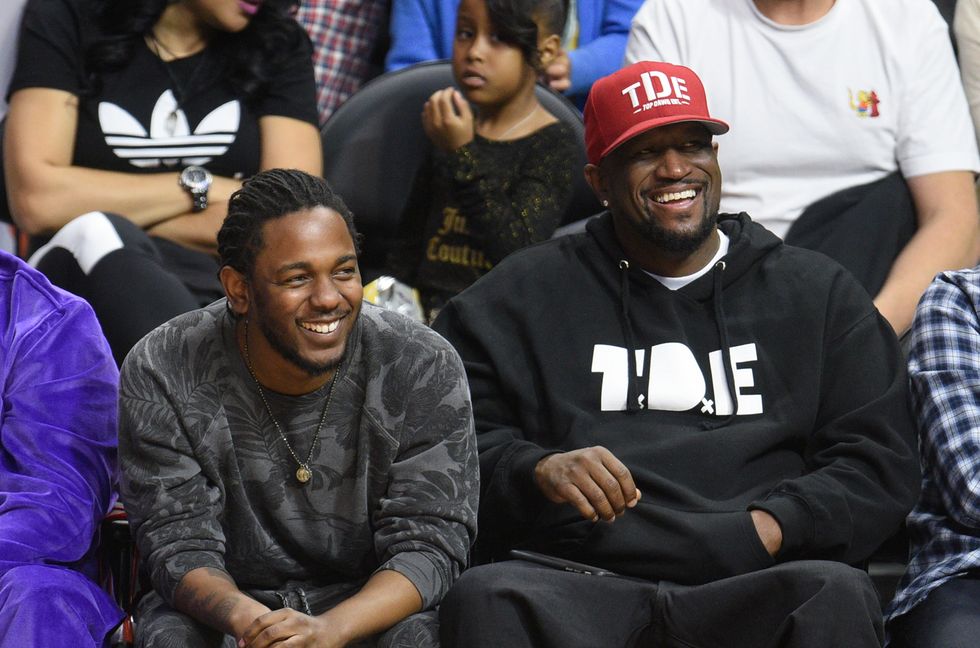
{"x":303,"y":474}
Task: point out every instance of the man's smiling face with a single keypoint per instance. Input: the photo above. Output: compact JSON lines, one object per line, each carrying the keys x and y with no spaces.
{"x":304,"y":296}
{"x":665,"y":186}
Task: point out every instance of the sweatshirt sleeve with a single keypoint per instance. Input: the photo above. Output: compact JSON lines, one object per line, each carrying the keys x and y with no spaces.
{"x":427,"y":521}
{"x":604,"y":54}
{"x":509,"y":499}
{"x":172,"y":507}
{"x":420,"y":30}
{"x":862,"y":472}
{"x":508,"y":215}
{"x":57,"y":435}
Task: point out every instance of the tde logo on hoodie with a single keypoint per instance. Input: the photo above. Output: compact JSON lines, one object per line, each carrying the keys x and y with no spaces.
{"x":675,"y":382}
{"x":658,"y":90}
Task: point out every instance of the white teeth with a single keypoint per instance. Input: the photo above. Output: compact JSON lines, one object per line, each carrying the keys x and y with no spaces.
{"x":322,"y":328}
{"x":670,"y":197}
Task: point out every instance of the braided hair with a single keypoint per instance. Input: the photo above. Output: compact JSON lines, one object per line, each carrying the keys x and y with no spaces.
{"x":266,"y":196}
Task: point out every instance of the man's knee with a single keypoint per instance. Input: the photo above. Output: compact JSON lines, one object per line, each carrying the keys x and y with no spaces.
{"x":475,"y":589}
{"x":41,"y":605}
{"x":833,"y":579}
{"x":21,"y":585}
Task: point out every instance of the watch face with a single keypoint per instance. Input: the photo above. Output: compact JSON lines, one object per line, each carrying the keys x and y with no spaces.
{"x":195,"y":178}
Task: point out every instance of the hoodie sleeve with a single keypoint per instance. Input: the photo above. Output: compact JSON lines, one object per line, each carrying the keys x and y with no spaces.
{"x":507,"y":458}
{"x":862,"y":473}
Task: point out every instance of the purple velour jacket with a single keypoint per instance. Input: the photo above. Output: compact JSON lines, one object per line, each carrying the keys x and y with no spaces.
{"x":58,"y":404}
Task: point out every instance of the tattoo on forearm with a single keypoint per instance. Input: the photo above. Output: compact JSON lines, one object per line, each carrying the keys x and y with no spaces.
{"x":211,"y":607}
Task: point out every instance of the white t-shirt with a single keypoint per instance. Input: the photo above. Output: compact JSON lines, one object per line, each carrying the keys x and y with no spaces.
{"x":676,"y":283}
{"x":966,"y":24}
{"x":869,"y":88}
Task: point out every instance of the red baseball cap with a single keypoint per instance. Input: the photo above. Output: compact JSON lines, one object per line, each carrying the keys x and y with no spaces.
{"x":641,"y":96}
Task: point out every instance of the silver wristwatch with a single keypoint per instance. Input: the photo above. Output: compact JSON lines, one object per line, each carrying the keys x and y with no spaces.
{"x":196,"y":180}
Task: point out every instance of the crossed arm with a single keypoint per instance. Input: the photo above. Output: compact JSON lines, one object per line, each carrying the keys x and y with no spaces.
{"x":46,"y":190}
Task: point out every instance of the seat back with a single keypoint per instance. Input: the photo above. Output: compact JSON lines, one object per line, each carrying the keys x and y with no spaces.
{"x":373,"y":146}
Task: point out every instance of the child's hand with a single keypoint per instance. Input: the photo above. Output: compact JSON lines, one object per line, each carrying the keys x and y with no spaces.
{"x":448,"y":120}
{"x":559,"y":73}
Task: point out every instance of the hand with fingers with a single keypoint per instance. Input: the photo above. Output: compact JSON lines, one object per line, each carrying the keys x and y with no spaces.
{"x":558,"y":74}
{"x":448,"y":120}
{"x":592,"y":480}
{"x":289,"y":628}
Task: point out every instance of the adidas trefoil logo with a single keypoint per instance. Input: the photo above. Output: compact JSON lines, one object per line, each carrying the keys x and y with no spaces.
{"x":170,"y":142}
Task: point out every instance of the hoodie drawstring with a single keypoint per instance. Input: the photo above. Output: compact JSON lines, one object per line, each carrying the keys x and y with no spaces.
{"x":726,"y":354}
{"x":632,"y":389}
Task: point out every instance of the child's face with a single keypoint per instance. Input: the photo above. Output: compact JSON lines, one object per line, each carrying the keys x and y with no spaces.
{"x":489,"y":72}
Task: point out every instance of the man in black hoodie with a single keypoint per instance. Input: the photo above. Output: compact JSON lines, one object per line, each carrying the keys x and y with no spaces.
{"x":676,"y":397}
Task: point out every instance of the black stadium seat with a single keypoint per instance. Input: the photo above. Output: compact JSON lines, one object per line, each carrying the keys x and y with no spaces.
{"x":374,"y":144}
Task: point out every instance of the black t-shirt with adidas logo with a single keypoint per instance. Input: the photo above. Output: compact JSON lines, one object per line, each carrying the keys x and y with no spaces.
{"x":153,"y":116}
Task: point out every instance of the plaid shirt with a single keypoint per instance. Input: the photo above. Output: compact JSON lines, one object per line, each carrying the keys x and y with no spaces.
{"x":344,"y":34}
{"x":944,"y":369}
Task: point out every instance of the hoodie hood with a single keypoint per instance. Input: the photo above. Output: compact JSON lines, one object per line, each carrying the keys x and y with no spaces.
{"x":749,"y":243}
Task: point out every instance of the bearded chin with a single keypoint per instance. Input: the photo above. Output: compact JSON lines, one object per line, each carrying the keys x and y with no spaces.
{"x":278,"y":343}
{"x":678,"y":243}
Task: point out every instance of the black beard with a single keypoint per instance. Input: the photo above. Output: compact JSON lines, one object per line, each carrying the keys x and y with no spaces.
{"x":290,"y":354}
{"x":672,"y":242}
{"x":312,"y":368}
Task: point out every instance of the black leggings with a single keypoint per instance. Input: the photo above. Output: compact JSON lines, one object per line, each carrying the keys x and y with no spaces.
{"x":133,"y":282}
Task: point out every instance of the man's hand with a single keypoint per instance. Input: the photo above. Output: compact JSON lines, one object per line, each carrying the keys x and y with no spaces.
{"x":300,"y":629}
{"x":448,"y":120}
{"x":593,"y":480}
{"x":558,"y":74}
{"x":769,"y":531}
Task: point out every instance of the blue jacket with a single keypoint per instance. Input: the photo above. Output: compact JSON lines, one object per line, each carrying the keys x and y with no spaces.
{"x":422,"y":30}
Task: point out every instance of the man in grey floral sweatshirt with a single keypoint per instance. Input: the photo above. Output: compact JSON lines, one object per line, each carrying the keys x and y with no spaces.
{"x":299,"y":469}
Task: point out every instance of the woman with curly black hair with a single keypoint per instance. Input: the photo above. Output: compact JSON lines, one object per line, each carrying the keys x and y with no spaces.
{"x":131,"y":122}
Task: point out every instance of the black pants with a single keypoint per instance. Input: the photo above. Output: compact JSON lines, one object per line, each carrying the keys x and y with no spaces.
{"x":948,"y":618}
{"x":132,"y":281}
{"x":804,"y":604}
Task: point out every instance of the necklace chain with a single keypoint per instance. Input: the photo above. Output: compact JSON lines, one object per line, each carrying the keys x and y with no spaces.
{"x":159,"y":45}
{"x":520,"y":123}
{"x":303,"y":472}
{"x":181,"y":91}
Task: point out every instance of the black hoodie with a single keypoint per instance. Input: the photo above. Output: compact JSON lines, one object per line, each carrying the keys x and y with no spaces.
{"x":822,"y":437}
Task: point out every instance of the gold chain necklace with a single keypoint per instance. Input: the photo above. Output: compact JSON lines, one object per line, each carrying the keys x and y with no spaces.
{"x":303,"y":473}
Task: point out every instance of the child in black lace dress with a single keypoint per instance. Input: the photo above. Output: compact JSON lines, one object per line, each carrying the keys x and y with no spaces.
{"x":500,"y":176}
